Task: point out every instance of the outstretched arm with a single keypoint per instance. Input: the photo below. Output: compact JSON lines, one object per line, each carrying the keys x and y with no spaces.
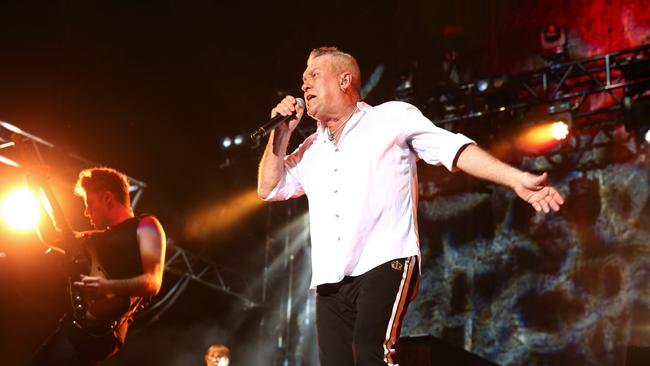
{"x":531,"y":188}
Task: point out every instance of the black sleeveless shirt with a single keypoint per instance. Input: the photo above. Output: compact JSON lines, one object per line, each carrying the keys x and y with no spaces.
{"x":117,"y":249}
{"x":117,"y":252}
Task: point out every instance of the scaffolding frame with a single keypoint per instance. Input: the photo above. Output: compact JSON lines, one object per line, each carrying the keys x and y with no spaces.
{"x":563,"y":87}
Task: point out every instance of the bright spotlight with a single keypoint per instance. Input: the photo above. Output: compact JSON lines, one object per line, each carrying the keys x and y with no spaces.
{"x":647,"y":136}
{"x":238,"y":140}
{"x":559,"y":130}
{"x":20,"y":209}
{"x":542,"y":136}
{"x":482,"y":85}
{"x":226,"y":142}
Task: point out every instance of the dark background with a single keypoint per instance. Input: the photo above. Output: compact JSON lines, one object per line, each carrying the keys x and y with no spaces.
{"x":151,"y":87}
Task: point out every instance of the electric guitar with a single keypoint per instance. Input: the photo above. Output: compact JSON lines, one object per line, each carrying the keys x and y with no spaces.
{"x":95,"y":315}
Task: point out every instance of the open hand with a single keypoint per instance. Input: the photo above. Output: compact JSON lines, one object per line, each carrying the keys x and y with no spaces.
{"x":535,"y":190}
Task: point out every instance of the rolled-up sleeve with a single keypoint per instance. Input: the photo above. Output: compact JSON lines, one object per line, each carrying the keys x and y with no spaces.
{"x":433,"y":144}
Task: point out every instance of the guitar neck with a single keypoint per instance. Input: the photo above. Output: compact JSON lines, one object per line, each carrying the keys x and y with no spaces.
{"x":39,"y":182}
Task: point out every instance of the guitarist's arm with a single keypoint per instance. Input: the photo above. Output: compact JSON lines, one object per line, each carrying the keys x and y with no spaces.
{"x":151,"y":239}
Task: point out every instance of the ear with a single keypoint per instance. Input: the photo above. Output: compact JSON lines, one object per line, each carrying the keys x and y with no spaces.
{"x":108,"y":198}
{"x":345,"y":81}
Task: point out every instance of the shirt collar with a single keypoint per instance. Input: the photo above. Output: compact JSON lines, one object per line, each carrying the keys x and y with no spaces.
{"x":361,"y":106}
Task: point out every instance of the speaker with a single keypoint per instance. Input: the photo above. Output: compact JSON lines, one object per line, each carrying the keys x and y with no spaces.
{"x":429,"y":351}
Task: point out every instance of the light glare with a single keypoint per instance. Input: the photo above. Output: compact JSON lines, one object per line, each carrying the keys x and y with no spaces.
{"x":20,"y":209}
{"x":220,"y":217}
{"x":482,"y":86}
{"x":559,"y":130}
{"x":238,"y":140}
{"x":226,"y":142}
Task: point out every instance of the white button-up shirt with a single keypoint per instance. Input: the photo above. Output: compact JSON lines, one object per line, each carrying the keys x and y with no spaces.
{"x":363,"y":192}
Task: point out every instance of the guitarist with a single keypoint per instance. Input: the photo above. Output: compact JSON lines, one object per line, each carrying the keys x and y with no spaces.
{"x":127,"y":262}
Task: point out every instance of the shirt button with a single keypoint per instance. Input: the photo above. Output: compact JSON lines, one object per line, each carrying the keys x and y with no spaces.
{"x":337,"y":149}
{"x":338,"y":239}
{"x":336,"y":191}
{"x":337,"y":215}
{"x":336,"y":169}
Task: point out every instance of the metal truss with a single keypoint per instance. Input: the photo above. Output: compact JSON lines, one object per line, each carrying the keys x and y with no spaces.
{"x":189,"y":266}
{"x":44,"y":148}
{"x":568,"y":87}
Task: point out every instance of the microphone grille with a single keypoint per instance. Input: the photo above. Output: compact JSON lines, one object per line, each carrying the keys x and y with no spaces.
{"x":300,"y":102}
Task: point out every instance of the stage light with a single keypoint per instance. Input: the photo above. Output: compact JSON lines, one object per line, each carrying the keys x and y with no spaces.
{"x":235,"y":142}
{"x":20,"y":209}
{"x":554,"y":43}
{"x":559,"y":130}
{"x":238,"y":140}
{"x":498,"y":82}
{"x":544,"y":135}
{"x":482,"y":85}
{"x":217,"y":355}
{"x":226,"y":142}
{"x":404,"y":91}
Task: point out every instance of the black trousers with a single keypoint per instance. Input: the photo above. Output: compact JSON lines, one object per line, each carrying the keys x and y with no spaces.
{"x":358,"y":320}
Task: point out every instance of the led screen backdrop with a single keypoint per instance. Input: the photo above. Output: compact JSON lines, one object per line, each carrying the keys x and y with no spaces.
{"x":522,"y":288}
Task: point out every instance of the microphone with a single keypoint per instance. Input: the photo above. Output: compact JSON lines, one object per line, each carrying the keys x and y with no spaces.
{"x":269,"y":126}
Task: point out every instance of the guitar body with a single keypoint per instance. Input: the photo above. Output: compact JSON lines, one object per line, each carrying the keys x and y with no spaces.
{"x":99,"y":310}
{"x":95,"y":315}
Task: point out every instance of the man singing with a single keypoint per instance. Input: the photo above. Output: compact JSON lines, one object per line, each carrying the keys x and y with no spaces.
{"x":358,"y":171}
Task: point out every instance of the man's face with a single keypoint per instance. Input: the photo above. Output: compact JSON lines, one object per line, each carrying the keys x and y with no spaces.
{"x":320,"y":87}
{"x":97,"y":209}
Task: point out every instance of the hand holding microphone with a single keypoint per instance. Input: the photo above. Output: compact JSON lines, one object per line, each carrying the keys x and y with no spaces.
{"x":289,"y":110}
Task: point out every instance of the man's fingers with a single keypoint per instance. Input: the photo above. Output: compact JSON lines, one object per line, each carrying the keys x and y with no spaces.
{"x":557,"y":197}
{"x":545,"y":207}
{"x":554,"y":206}
{"x":85,"y":284}
{"x":88,"y":280}
{"x":286,"y":107}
